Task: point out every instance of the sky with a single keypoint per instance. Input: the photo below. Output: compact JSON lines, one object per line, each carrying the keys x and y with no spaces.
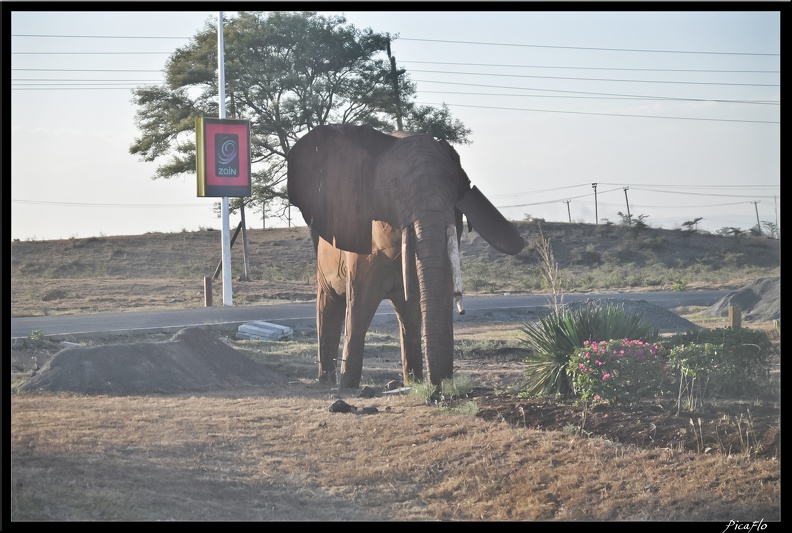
{"x":674,"y":115}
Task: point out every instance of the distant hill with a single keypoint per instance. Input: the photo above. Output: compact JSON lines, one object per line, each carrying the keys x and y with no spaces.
{"x":168,"y":269}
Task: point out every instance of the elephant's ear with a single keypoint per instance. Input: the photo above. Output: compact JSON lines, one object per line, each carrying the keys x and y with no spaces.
{"x":330,"y":178}
{"x":490,"y":223}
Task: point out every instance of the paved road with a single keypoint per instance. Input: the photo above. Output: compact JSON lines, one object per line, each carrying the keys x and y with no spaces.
{"x":87,"y":324}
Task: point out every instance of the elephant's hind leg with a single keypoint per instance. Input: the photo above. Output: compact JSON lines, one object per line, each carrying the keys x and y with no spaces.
{"x":368,"y":280}
{"x":358,"y":320}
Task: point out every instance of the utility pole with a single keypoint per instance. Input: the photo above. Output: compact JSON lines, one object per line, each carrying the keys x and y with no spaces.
{"x":225,"y":235}
{"x":395,"y":83}
{"x":568,"y":211}
{"x":629,"y":217}
{"x":758,"y":226}
{"x":596,"y":215}
{"x":778,"y":231}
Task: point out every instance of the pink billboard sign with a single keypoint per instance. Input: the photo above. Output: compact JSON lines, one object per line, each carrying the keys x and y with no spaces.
{"x":222,"y":156}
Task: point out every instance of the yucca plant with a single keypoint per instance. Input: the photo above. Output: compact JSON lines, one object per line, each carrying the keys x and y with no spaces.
{"x":552,"y":340}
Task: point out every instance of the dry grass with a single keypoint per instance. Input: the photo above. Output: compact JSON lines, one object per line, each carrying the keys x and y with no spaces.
{"x":281,"y":455}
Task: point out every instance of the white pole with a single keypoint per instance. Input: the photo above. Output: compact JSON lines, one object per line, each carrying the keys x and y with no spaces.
{"x":226,"y":234}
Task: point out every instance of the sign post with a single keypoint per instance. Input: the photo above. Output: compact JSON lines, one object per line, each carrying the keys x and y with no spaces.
{"x":223,"y":160}
{"x":222,"y":155}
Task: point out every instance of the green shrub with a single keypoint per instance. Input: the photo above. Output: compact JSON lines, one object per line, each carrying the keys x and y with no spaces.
{"x":618,"y":371}
{"x":449,"y":389}
{"x":587,"y":256}
{"x":459,"y":387}
{"x":428,"y":392}
{"x":719,"y":362}
{"x":554,"y":338}
{"x":36,"y":337}
{"x":653,"y":244}
{"x":468,"y":408}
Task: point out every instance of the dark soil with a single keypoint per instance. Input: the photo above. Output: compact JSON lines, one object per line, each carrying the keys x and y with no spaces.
{"x":732,"y":427}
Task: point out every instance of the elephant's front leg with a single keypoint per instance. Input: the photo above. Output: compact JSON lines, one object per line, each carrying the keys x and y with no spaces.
{"x":367,"y":282}
{"x":409,"y":314}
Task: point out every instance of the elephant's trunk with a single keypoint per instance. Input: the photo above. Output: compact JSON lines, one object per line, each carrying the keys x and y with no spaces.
{"x":456,"y":267}
{"x":435,"y":284}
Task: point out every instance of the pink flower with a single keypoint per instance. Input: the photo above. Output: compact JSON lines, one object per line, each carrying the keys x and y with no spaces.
{"x":605,"y":376}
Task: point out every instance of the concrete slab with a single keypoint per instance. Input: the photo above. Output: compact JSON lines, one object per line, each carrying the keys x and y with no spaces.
{"x":260,"y":330}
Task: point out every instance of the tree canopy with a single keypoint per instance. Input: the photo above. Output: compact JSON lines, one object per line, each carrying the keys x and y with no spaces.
{"x":285,"y":72}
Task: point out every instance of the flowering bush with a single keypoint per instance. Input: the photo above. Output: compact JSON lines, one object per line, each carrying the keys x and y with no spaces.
{"x":617,"y":371}
{"x":553,"y":338}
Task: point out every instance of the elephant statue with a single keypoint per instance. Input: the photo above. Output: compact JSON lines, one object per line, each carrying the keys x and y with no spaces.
{"x":386,"y":214}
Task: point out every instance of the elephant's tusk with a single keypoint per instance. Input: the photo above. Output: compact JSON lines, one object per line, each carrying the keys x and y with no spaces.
{"x":456,"y":268}
{"x":408,"y":259}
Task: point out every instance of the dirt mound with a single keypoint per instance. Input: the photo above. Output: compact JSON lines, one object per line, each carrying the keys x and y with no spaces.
{"x":664,"y":320}
{"x":760,"y":301}
{"x":192,"y":360}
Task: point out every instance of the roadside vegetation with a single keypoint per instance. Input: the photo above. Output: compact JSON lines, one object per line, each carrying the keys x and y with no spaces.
{"x":161,"y":270}
{"x":684,"y":427}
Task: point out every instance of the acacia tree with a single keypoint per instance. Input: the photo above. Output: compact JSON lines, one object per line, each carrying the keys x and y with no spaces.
{"x":287,"y":73}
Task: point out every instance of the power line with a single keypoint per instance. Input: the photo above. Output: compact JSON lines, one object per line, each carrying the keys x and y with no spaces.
{"x":618,"y":187}
{"x":593,"y":48}
{"x":698,"y":193}
{"x":94,"y":204}
{"x":511,"y":87}
{"x":591,"y":113}
{"x":607,"y":97}
{"x":644,"y":50}
{"x":91,"y":84}
{"x":96,"y":36}
{"x":567,"y":67}
{"x":76,"y":88}
{"x":88,"y":53}
{"x":686,"y":186}
{"x":85,"y":70}
{"x":456,"y":72}
{"x":597,"y":79}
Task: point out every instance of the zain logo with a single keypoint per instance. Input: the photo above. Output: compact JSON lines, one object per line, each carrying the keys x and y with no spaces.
{"x":227,"y":154}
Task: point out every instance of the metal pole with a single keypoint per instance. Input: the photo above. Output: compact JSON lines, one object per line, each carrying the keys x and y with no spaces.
{"x":596,"y":215}
{"x":629,"y":217}
{"x":758,"y":226}
{"x":226,"y":239}
{"x":778,"y":231}
{"x":569,"y":213}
